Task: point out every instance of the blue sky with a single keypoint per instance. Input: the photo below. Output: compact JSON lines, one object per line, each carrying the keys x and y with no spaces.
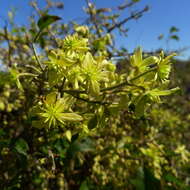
{"x":144,"y":32}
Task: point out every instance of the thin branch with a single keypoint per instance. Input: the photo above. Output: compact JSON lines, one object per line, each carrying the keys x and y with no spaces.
{"x":142,"y":74}
{"x":9,"y":47}
{"x":93,"y":18}
{"x":128,"y":83}
{"x":133,"y":16}
{"x":75,"y":91}
{"x":126,"y":5}
{"x":40,"y":13}
{"x":87,"y":100}
{"x":61,"y":87}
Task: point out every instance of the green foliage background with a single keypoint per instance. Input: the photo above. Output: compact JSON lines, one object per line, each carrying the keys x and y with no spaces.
{"x":72,"y":119}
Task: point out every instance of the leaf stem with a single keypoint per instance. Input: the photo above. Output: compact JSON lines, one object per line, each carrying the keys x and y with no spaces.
{"x":37,"y":59}
{"x":87,"y":100}
{"x":74,"y":91}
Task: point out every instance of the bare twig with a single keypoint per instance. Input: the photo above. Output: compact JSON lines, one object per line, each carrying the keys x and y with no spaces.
{"x":93,"y":18}
{"x":6,"y":36}
{"x":133,"y":16}
{"x":126,"y":5}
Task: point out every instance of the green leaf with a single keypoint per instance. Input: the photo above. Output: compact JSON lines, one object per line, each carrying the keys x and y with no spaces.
{"x":21,"y":146}
{"x":157,"y":92}
{"x":70,"y":117}
{"x":84,"y":145}
{"x":84,"y":186}
{"x":138,"y":55}
{"x":15,"y":75}
{"x":53,"y":77}
{"x":51,"y":98}
{"x":46,"y":20}
{"x":136,"y":59}
{"x":68,"y":135}
{"x":2,"y":105}
{"x":93,"y":122}
{"x":173,"y":179}
{"x":140,"y":106}
{"x":139,"y":182}
{"x":174,"y":29}
{"x":151,"y":183}
{"x":150,"y":61}
{"x":2,"y":132}
{"x":94,"y":87}
{"x":174,"y":37}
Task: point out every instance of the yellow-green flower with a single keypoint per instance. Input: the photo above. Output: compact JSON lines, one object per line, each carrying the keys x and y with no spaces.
{"x":54,"y":111}
{"x":92,"y":73}
{"x":75,"y":43}
{"x":164,"y":68}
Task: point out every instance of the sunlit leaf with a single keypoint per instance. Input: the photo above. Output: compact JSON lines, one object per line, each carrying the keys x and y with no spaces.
{"x":157,"y":92}
{"x":51,"y":98}
{"x":71,"y":117}
{"x":68,"y":135}
{"x":46,"y":20}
